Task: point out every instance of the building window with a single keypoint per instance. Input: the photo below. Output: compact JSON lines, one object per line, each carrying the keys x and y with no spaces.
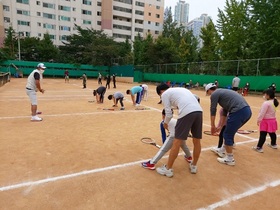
{"x":139,"y":29}
{"x":127,"y":28}
{"x":49,"y":26}
{"x":64,"y":18}
{"x":52,"y":36}
{"x":87,"y":22}
{"x":23,"y":12}
{"x":47,"y":5}
{"x":74,"y":19}
{"x":124,"y":1}
{"x":121,"y":36}
{"x":140,"y":4}
{"x":64,"y":28}
{"x":150,"y":14}
{"x":39,"y":24}
{"x":86,"y":12}
{"x":99,"y":4}
{"x":7,"y":20}
{"x":157,"y":24}
{"x":39,"y":34}
{"x":49,"y":16}
{"x":149,"y":22}
{"x":139,"y":21}
{"x":158,"y":7}
{"x":38,"y":13}
{"x":27,"y":34}
{"x":138,"y":12}
{"x":149,"y":30}
{"x":156,"y":32}
{"x":74,"y":9}
{"x":86,"y":2}
{"x":98,"y":13}
{"x":63,"y":38}
{"x":64,"y":8}
{"x":99,"y":23}
{"x":23,"y":23}
{"x":157,"y":16}
{"x":122,"y":9}
{"x":38,"y":2}
{"x":6,"y":8}
{"x":23,"y":1}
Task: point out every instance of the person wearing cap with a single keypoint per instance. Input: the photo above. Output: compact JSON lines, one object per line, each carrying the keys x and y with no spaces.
{"x":189,"y":119}
{"x":32,"y":86}
{"x":237,"y":111}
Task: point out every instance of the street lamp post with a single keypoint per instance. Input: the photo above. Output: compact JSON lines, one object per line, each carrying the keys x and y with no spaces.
{"x":19,"y":53}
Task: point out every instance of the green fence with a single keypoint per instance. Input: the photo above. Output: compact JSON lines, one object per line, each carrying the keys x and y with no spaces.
{"x":53,"y":69}
{"x":257,"y":83}
{"x":122,"y":71}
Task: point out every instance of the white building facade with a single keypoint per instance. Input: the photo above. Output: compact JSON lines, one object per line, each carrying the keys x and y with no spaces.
{"x":182,"y":13}
{"x":120,"y":19}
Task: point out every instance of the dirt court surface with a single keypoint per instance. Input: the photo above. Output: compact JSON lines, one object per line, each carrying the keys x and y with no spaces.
{"x":84,"y":157}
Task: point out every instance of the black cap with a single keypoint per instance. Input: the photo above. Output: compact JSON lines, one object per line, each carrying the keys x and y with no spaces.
{"x":162,"y":87}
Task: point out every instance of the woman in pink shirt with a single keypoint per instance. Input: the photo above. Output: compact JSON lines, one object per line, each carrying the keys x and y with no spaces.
{"x":267,"y":120}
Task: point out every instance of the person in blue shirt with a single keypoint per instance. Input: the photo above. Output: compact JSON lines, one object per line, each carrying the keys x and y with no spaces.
{"x":136,"y":90}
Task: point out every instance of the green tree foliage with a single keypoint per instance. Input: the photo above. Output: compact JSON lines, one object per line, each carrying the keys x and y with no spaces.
{"x":94,"y":47}
{"x":10,"y":44}
{"x":47,"y":51}
{"x":232,"y":25}
{"x":210,"y":49}
{"x":29,"y":49}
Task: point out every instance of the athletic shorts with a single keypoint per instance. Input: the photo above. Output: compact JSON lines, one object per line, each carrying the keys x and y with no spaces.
{"x":191,"y":122}
{"x":32,"y":96}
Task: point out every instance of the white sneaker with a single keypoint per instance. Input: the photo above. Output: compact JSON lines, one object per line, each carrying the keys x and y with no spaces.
{"x":137,"y":104}
{"x":226,"y":161}
{"x":272,"y":146}
{"x":219,"y":151}
{"x":193,"y":168}
{"x":164,"y":171}
{"x":36,"y":118}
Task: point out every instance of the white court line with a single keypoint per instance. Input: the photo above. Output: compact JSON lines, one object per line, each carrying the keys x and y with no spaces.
{"x":57,"y":178}
{"x":242,"y":195}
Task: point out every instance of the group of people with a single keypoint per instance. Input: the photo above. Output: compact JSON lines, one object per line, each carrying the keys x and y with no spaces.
{"x":234,"y":113}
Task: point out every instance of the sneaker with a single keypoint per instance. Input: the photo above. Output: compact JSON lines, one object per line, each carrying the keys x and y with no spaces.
{"x":272,"y":146}
{"x":219,"y":151}
{"x":137,"y":104}
{"x":193,"y":169}
{"x":258,"y":149}
{"x":36,"y":118}
{"x":226,"y":161}
{"x":164,"y":171}
{"x":122,"y":108}
{"x":39,"y":112}
{"x":148,"y":165}
{"x":188,"y":159}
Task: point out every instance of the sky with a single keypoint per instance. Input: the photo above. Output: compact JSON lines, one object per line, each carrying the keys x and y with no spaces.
{"x":198,"y":7}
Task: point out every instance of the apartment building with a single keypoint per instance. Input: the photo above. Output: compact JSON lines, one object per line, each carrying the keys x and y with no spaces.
{"x":120,"y":19}
{"x":182,"y":13}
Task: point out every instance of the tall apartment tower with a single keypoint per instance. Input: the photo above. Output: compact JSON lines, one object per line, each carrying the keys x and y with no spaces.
{"x":182,"y":13}
{"x":120,"y":19}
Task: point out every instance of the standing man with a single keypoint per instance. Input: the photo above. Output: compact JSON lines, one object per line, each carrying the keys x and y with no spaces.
{"x":99,"y":79}
{"x":66,"y":76}
{"x":114,"y":80}
{"x":33,"y":84}
{"x":238,"y":112}
{"x":108,"y":81}
{"x":235,"y":83}
{"x":189,"y":119}
{"x":84,"y":77}
{"x":136,"y":90}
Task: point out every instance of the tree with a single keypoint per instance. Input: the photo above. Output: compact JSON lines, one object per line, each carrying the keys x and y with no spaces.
{"x":210,"y":50}
{"x":47,"y":51}
{"x":10,"y":44}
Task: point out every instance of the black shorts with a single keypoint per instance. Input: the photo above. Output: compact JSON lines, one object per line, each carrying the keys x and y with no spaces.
{"x":191,"y":122}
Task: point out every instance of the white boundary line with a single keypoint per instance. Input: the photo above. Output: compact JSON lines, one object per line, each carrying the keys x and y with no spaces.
{"x":242,"y":195}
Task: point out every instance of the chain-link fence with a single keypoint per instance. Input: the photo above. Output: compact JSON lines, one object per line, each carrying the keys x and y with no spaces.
{"x":262,"y":66}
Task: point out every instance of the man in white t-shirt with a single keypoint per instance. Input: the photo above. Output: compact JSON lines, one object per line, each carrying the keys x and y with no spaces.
{"x":33,"y":84}
{"x":189,"y":119}
{"x":235,"y":83}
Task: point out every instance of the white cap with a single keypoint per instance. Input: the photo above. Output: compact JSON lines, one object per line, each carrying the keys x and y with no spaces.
{"x":41,"y":65}
{"x":210,"y":85}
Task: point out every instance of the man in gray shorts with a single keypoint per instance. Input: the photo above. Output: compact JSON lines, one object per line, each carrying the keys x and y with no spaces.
{"x":189,"y":119}
{"x":33,"y":84}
